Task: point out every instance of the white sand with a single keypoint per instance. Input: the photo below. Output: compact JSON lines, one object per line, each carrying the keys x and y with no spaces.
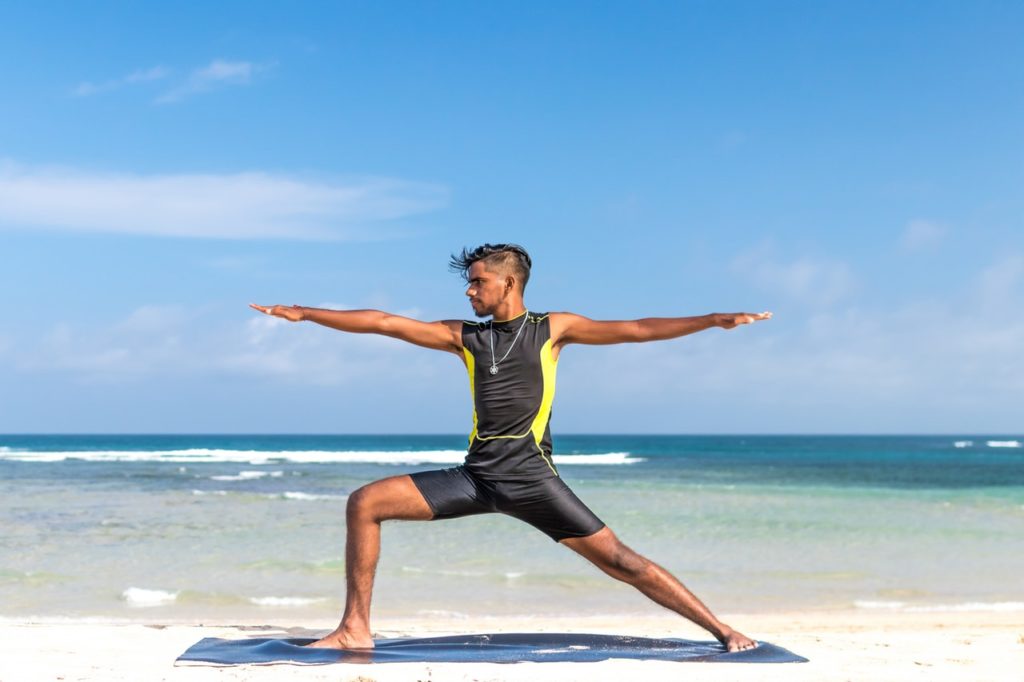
{"x":841,"y":646}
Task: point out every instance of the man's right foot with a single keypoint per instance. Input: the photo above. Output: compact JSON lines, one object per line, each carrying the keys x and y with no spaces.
{"x":343,"y":639}
{"x":735,"y":641}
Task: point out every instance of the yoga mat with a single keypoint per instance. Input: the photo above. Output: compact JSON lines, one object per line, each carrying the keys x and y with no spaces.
{"x":500,"y":648}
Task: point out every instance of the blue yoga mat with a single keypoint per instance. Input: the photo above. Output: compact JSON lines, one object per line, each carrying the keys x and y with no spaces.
{"x":500,"y":648}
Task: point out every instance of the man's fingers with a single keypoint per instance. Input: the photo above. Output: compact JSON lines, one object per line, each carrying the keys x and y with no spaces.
{"x":747,"y":318}
{"x":731,"y":320}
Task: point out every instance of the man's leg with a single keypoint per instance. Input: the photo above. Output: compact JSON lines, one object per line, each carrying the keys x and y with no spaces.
{"x":390,"y":498}
{"x":608,"y":553}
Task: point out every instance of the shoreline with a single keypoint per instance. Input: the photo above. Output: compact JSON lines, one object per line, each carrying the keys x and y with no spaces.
{"x":841,"y":645}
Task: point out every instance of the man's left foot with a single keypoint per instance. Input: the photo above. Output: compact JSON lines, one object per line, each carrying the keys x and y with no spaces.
{"x":343,"y":639}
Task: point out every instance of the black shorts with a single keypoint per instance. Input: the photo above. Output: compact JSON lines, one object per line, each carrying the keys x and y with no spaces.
{"x":546,"y":504}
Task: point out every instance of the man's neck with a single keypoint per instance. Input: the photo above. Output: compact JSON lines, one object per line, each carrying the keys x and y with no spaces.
{"x":508,"y":311}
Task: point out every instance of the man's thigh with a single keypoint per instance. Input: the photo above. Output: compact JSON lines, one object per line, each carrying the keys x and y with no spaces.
{"x":451,"y":493}
{"x":549,"y":506}
{"x":396,"y":497}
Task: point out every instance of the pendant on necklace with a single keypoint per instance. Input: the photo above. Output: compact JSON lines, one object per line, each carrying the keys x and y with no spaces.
{"x":494,"y":369}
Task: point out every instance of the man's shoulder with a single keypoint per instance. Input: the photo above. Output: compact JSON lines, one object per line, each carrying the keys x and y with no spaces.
{"x":536,"y":318}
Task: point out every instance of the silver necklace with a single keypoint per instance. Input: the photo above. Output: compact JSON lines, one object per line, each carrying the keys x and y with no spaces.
{"x":490,"y":327}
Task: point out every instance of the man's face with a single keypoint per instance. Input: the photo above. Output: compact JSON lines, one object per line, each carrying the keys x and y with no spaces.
{"x":486,"y":289}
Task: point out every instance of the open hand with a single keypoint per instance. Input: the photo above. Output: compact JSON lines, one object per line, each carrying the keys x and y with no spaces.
{"x":293,"y":313}
{"x":730,"y":320}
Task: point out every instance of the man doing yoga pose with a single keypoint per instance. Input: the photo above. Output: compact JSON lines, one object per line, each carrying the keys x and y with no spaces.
{"x":511,"y":359}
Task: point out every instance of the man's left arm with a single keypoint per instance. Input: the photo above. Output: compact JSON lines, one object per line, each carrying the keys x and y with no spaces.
{"x":569,"y":328}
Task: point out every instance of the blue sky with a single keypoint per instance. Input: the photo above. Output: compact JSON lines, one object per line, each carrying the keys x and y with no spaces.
{"x":857,"y":168}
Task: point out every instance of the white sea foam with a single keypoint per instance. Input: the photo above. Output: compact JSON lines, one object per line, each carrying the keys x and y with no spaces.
{"x":1003,"y":443}
{"x":999,"y":606}
{"x":963,"y":443}
{"x":296,"y":495}
{"x":137,"y":596}
{"x":989,"y":607}
{"x":256,"y":457}
{"x":606,"y":458}
{"x":867,"y":604}
{"x":209,"y":492}
{"x":65,"y":620}
{"x":248,"y":476}
{"x":285,"y":601}
{"x":440,"y":613}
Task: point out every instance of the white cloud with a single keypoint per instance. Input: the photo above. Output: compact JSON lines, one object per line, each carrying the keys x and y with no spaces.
{"x":215,"y":75}
{"x":219,"y":73}
{"x":813,"y":281}
{"x":922,"y":235}
{"x":234,"y":263}
{"x":249,"y":205}
{"x":178,"y":341}
{"x":148,"y":340}
{"x":88,"y":88}
{"x":925,"y":365}
{"x":998,"y":284}
{"x":912,"y":366}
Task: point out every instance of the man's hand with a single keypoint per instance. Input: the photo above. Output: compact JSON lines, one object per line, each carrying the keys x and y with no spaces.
{"x":293,"y":313}
{"x":730,"y":320}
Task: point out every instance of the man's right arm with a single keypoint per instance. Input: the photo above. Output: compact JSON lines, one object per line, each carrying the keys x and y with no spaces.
{"x":443,"y":335}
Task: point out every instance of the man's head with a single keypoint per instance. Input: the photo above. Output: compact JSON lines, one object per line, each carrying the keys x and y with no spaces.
{"x":494,"y":272}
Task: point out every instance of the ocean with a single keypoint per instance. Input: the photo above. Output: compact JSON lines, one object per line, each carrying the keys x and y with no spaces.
{"x":221,"y":527}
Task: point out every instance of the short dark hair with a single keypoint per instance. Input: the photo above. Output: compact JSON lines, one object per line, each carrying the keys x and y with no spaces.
{"x":511,"y":256}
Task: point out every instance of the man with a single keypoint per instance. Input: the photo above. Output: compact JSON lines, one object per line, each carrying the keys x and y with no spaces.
{"x":511,"y":360}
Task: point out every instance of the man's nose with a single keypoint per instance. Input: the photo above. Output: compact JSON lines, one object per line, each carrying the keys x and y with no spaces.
{"x":471,"y":292}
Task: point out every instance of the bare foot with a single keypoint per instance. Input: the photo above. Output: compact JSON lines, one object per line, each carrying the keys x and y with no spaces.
{"x":735,"y":641}
{"x":343,"y":639}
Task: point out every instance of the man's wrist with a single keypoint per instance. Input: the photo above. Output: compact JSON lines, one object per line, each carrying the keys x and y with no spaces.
{"x":715,"y":319}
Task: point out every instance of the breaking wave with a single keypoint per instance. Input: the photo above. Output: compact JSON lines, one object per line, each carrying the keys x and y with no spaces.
{"x":256,"y":457}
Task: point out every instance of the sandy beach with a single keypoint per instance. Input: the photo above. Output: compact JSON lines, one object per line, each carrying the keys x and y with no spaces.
{"x":841,"y":645}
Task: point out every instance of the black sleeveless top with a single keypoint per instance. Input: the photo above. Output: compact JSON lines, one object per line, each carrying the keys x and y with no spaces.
{"x":511,"y":436}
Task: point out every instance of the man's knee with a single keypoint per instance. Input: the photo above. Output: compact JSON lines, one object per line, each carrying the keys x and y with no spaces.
{"x":389,"y":498}
{"x":361,"y":504}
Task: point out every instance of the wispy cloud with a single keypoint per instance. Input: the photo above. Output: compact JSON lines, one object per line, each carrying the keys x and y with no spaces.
{"x":920,"y":365}
{"x":1000,"y":284}
{"x":217,"y":74}
{"x":249,"y":205}
{"x":922,"y":235}
{"x":916,"y":365}
{"x":818,"y":281}
{"x":137,"y":77}
{"x":176,"y":340}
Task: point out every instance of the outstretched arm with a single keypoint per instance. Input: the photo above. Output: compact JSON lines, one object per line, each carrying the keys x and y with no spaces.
{"x":568,"y":328}
{"x":444,"y":335}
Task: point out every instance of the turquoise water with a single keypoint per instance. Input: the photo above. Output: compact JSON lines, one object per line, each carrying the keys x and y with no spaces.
{"x":216,"y":527}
